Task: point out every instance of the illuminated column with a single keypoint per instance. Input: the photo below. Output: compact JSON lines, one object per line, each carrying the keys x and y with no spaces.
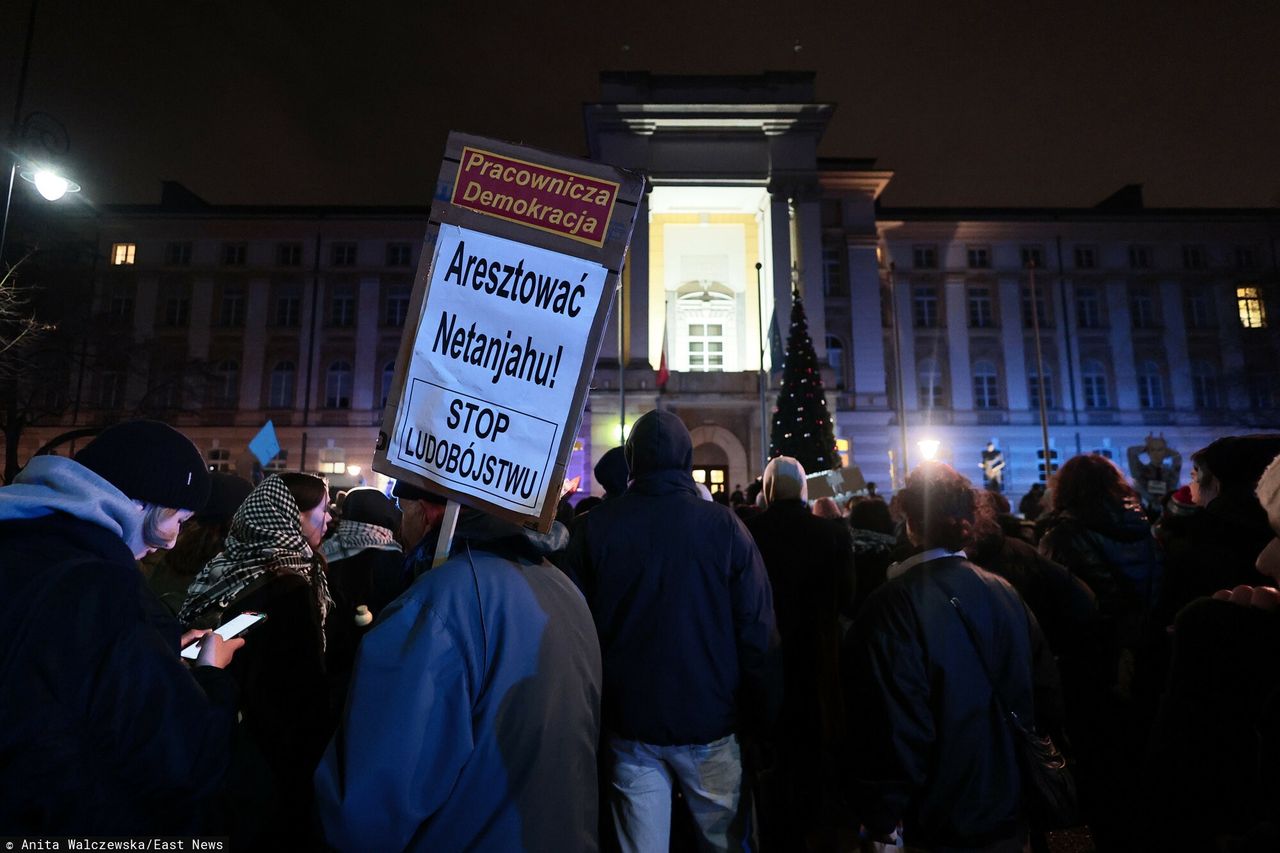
{"x":638,"y":303}
{"x":1126,"y":373}
{"x":958,"y":345}
{"x":367,"y":316}
{"x":255,"y":340}
{"x":907,"y":345}
{"x":1015,"y":349}
{"x":867,"y":338}
{"x":780,"y":222}
{"x":1175,"y":346}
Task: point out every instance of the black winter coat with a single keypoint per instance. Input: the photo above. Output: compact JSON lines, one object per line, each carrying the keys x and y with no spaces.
{"x":103,"y":729}
{"x":929,"y":745}
{"x":810,"y":566}
{"x":681,"y":603}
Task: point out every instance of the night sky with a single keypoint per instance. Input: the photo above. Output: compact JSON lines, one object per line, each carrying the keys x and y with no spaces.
{"x":991,"y":103}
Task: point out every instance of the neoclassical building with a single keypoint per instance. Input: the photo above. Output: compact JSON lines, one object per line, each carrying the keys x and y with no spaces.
{"x":1147,"y":321}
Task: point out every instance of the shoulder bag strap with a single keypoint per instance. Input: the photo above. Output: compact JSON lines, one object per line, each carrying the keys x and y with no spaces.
{"x":977,"y":645}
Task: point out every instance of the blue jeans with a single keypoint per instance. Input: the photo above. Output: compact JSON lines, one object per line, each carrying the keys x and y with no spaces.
{"x":710,"y":776}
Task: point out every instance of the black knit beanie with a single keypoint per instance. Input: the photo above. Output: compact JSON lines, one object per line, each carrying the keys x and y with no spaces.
{"x":369,"y":506}
{"x":150,"y":462}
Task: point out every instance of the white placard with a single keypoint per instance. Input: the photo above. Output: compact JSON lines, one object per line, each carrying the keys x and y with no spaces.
{"x":498,"y":355}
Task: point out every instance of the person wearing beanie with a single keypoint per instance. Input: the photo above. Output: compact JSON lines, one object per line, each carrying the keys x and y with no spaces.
{"x":1214,"y":545}
{"x":172,"y":571}
{"x":366,"y":567}
{"x":421,"y":512}
{"x":809,"y":560}
{"x":103,"y":728}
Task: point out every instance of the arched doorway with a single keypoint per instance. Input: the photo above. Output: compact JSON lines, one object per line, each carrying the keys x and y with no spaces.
{"x":716,"y":446}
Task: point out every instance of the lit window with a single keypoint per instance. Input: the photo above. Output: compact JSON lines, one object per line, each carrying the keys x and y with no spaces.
{"x":706,"y":346}
{"x":333,"y":460}
{"x":122,"y":253}
{"x":1252,"y":313}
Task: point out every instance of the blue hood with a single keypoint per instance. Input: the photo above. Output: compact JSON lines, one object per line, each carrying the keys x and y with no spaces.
{"x":52,"y":484}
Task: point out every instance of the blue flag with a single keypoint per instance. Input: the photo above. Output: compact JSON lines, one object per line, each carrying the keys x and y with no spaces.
{"x":264,"y":445}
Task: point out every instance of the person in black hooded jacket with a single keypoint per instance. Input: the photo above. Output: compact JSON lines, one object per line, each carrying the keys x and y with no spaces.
{"x":684,"y":611}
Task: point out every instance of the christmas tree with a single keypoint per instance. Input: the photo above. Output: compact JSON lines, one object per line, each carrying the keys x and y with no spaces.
{"x":801,"y":423}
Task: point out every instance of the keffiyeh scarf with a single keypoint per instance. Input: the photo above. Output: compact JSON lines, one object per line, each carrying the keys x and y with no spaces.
{"x":352,"y":537}
{"x":265,"y":538}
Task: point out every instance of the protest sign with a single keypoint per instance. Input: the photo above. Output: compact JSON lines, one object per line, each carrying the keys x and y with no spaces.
{"x":518,"y":273}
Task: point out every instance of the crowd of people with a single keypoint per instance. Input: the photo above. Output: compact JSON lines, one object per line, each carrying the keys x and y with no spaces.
{"x":660,"y":670}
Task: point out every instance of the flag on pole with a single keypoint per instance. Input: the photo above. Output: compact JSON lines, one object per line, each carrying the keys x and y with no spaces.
{"x":664,"y":370}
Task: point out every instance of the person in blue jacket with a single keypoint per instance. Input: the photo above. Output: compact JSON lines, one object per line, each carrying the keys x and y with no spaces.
{"x":103,"y":728}
{"x":684,"y":611}
{"x":474,"y":708}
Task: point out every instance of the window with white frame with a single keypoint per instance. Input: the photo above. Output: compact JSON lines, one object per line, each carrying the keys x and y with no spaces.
{"x":1088,"y":308}
{"x":1204,"y":385}
{"x":342,"y":307}
{"x":706,"y":346}
{"x":979,"y":257}
{"x":981,"y":308}
{"x":397,"y":305}
{"x":929,"y":384}
{"x":388,"y":379}
{"x":232,"y":313}
{"x":399,"y":254}
{"x":1035,"y":386}
{"x":1086,"y":257}
{"x":280,"y":394}
{"x":343,"y":254}
{"x":1199,"y":309}
{"x":1041,"y":309}
{"x":1150,"y":386}
{"x":924,"y":307}
{"x":220,"y":460}
{"x":924,"y":257}
{"x":1093,"y":381}
{"x":1142,"y":309}
{"x":835,"y":358}
{"x":337,"y":385}
{"x":986,"y":391}
{"x":288,"y":307}
{"x":832,"y":272}
{"x":224,"y":385}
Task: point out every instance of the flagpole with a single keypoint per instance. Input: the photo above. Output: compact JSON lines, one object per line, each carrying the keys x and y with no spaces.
{"x":764,"y":381}
{"x":897,"y":362}
{"x":1040,"y":383}
{"x":622,"y":365}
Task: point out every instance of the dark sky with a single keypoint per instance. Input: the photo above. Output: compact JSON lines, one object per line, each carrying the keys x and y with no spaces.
{"x":971,"y":103}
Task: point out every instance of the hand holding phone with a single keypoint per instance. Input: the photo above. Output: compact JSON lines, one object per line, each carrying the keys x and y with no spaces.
{"x":228,"y":631}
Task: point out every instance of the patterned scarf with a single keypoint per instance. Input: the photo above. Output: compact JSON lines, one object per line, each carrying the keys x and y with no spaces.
{"x":265,"y":538}
{"x":352,"y":537}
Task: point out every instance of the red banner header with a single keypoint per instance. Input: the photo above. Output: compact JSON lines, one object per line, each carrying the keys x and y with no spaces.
{"x":566,"y":203}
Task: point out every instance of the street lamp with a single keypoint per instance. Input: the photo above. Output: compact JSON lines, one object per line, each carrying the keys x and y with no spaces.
{"x":52,"y":136}
{"x":928,"y":448}
{"x":49,"y":183}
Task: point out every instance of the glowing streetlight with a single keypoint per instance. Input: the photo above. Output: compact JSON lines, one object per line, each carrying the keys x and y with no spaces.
{"x":50,"y":184}
{"x":928,"y":448}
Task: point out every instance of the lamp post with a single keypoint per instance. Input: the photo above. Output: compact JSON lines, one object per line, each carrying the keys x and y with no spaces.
{"x":48,"y":130}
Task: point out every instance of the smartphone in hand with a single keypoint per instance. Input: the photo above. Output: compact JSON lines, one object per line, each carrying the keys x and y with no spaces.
{"x":234,"y":628}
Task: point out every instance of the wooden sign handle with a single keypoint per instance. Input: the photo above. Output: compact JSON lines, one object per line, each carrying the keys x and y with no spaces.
{"x":445,"y":540}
